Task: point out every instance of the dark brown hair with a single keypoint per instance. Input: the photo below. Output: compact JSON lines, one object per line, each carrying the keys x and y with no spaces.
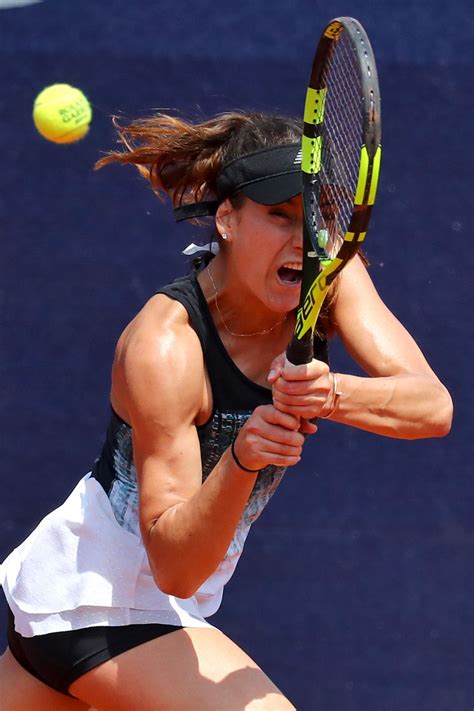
{"x":183,"y":159}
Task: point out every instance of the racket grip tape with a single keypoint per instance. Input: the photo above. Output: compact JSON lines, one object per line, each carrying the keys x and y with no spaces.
{"x":300,"y":351}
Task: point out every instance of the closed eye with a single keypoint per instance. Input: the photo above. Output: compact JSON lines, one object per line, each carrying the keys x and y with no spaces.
{"x":280,"y":213}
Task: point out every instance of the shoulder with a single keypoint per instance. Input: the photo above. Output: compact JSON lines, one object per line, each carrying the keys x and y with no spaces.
{"x":161,"y":331}
{"x":158,"y":359}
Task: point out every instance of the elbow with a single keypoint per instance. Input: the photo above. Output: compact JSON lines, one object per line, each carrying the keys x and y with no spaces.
{"x":177,"y":588}
{"x":170,"y":573}
{"x":442,"y":417}
{"x":436,"y":415}
{"x":172,"y":581}
{"x":444,"y":426}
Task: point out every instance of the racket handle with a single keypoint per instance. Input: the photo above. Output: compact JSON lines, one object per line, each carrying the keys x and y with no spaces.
{"x":301,"y":351}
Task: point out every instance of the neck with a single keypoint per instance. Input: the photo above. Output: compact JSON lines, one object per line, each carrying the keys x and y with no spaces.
{"x":234,"y":308}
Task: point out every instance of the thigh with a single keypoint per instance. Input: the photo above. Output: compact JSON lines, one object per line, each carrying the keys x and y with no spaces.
{"x":20,"y":690}
{"x":190,"y":669}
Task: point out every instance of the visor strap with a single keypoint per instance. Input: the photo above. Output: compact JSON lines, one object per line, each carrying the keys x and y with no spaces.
{"x":196,"y":209}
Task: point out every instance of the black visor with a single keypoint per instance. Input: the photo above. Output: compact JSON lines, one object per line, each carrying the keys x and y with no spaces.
{"x":268,"y":176}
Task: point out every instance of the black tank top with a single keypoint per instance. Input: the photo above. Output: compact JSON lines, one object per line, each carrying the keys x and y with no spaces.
{"x":234,"y":398}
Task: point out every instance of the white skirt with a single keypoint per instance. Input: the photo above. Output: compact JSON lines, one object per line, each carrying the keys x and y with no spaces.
{"x":79,"y":568}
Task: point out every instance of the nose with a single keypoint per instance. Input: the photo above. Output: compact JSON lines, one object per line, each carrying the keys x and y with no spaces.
{"x":297,"y":235}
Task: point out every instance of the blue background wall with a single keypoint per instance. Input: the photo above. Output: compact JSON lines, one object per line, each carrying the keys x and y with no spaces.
{"x":355,"y":593}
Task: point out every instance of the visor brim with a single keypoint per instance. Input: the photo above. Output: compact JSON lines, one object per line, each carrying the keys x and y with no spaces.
{"x":275,"y":190}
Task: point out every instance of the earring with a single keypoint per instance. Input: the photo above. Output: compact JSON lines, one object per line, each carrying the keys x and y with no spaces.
{"x":224,"y":235}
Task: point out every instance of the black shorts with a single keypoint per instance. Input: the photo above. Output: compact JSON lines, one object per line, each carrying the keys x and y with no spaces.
{"x":59,"y":658}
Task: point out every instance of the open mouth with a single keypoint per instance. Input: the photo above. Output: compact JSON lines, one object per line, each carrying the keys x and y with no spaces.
{"x":290,"y":273}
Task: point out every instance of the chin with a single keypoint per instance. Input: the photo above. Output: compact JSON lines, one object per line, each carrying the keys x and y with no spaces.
{"x":289,"y":292}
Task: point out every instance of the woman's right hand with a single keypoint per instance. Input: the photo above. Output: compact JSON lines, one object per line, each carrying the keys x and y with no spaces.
{"x":270,"y":437}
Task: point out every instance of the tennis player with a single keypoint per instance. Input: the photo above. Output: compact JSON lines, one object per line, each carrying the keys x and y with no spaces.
{"x":108,"y":598}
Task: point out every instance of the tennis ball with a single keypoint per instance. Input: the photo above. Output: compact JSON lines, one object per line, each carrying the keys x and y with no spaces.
{"x":62,"y":113}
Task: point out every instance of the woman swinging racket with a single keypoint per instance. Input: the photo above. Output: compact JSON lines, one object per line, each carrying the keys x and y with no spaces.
{"x":109,"y":596}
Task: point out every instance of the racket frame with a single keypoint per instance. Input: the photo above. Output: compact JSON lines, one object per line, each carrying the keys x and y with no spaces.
{"x":319,"y":268}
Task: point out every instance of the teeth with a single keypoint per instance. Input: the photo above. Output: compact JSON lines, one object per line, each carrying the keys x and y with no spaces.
{"x":293,"y":265}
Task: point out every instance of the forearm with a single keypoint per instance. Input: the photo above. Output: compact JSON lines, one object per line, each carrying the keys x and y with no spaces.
{"x":189,"y":540}
{"x":405,"y":406}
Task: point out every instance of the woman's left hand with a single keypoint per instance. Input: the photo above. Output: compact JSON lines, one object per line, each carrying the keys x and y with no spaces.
{"x":300,"y":390}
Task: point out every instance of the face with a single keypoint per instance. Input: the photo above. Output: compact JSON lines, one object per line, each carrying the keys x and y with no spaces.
{"x":265,"y":250}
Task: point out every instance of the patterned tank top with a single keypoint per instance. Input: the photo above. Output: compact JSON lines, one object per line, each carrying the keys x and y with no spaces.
{"x":234,"y":399}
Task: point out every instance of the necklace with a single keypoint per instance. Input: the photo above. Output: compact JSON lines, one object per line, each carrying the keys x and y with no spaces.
{"x":240,"y":335}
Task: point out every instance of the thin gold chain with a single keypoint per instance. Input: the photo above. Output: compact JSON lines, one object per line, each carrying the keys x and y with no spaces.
{"x":240,"y":335}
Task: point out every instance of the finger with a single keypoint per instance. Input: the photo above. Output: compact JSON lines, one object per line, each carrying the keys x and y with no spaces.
{"x":308,"y":427}
{"x":265,"y":434}
{"x":281,"y":461}
{"x":271,"y":446}
{"x":309,"y":409}
{"x":259,"y":453}
{"x":288,"y":403}
{"x":274,"y":416}
{"x":281,"y":437}
{"x":307,"y":413}
{"x":276,"y":368}
{"x":306,"y":371}
{"x":272,"y":449}
{"x":320,"y":386}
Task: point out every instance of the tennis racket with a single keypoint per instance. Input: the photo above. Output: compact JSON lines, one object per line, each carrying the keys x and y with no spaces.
{"x":340,"y":167}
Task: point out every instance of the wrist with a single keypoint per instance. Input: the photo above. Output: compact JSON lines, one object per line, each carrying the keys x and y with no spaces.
{"x":330,"y":406}
{"x":238,"y":462}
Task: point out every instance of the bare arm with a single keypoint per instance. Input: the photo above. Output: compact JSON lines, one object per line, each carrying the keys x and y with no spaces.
{"x":159,"y":378}
{"x":402,"y":397}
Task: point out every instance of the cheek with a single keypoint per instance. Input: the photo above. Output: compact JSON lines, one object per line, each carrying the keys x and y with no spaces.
{"x":253,"y":244}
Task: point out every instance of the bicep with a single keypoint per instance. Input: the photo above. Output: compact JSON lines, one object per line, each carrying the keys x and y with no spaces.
{"x":160,"y":380}
{"x":371,"y":333}
{"x":169,"y":472}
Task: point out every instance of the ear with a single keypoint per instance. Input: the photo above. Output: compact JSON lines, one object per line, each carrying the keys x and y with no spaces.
{"x":225,"y":219}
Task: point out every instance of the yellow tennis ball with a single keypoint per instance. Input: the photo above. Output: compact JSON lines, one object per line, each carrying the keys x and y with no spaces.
{"x":62,"y":113}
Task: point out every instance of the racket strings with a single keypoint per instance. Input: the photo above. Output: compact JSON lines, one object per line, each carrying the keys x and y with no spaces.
{"x":342,"y":137}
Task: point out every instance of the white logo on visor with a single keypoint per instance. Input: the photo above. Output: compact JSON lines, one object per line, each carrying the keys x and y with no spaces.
{"x":298,"y":158}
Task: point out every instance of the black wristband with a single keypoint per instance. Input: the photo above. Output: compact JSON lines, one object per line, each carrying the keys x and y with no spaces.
{"x":246,"y":469}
